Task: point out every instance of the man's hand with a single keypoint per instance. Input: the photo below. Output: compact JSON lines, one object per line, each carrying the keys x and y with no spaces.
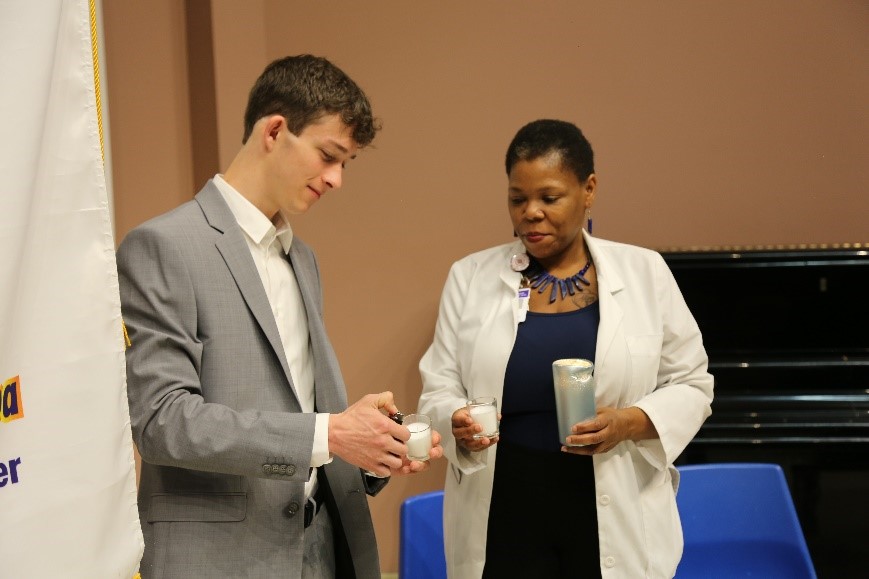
{"x":464,"y":429}
{"x":362,"y":435}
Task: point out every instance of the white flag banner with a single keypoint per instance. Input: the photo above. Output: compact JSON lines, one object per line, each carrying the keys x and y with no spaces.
{"x":67,"y":473}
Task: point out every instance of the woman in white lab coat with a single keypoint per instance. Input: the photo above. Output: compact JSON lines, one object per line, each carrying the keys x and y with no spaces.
{"x":547,"y":509}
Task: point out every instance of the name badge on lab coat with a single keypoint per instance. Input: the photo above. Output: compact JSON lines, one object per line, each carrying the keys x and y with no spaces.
{"x":522,"y":297}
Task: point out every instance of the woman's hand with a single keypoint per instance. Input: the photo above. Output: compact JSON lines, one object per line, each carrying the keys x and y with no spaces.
{"x":464,"y":429}
{"x":610,"y":427}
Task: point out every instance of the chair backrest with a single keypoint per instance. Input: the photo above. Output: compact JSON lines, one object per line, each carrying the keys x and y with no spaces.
{"x":421,"y":537}
{"x":739,"y":520}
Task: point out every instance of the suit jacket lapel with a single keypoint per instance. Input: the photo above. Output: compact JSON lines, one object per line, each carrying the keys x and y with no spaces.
{"x":236,"y":253}
{"x":329,"y":390}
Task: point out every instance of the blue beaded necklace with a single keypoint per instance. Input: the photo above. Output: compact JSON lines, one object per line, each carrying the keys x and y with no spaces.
{"x":540,"y":279}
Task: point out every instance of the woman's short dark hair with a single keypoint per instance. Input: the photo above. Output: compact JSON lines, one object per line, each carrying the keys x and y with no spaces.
{"x":305,"y":88}
{"x":542,"y":137}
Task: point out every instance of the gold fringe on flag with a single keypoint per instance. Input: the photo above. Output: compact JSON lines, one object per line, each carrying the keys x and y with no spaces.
{"x":95,"y":54}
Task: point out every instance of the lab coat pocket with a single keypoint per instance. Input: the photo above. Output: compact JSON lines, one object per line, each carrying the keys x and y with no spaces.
{"x":457,"y":474}
{"x":645,"y":355}
{"x":663,"y":532}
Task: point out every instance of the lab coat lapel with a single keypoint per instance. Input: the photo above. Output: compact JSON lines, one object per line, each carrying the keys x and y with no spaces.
{"x":609,"y":284}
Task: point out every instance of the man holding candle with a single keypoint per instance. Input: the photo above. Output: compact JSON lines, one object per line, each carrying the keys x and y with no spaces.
{"x":252,"y":459}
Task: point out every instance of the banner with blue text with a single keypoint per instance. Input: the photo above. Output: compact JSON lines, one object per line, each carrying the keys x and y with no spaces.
{"x":67,"y":472}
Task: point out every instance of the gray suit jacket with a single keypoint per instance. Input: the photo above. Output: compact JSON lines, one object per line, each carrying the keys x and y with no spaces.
{"x":225,"y":445}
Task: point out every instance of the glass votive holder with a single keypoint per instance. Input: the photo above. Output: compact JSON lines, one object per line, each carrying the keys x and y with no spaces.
{"x":484,"y":411}
{"x":419,"y":444}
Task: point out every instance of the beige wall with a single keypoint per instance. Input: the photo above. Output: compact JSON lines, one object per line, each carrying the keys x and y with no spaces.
{"x":714,"y":123}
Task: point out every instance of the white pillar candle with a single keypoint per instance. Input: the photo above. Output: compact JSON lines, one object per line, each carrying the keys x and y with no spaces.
{"x":486,"y":415}
{"x":419,"y":444}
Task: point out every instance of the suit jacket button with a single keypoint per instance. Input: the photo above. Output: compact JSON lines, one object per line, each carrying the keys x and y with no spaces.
{"x":283,"y":469}
{"x":291,"y":509}
{"x":291,"y":470}
{"x":275,"y":469}
{"x":267,"y":468}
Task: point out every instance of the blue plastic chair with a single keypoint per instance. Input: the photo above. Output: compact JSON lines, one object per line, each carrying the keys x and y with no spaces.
{"x":739,"y":520}
{"x":421,"y":537}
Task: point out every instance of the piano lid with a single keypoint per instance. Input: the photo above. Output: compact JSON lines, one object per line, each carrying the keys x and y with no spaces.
{"x":787,"y":333}
{"x":780,"y":303}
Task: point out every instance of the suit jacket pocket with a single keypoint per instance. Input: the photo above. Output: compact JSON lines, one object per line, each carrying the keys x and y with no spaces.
{"x":198,"y":507}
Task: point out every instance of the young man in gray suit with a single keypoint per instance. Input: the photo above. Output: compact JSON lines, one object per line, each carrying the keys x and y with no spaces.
{"x":253,"y":462}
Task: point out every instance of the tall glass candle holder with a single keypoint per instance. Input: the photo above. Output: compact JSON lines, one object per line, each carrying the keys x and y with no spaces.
{"x":574,"y":394}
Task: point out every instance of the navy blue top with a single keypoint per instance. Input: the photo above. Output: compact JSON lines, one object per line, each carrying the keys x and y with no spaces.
{"x":528,"y":416}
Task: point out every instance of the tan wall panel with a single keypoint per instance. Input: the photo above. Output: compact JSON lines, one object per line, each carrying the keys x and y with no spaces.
{"x":240,"y":56}
{"x":150,"y":115}
{"x":714,"y":123}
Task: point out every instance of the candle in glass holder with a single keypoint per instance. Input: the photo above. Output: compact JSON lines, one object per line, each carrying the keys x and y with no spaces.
{"x":419,"y":444}
{"x":484,"y":411}
{"x":574,"y":394}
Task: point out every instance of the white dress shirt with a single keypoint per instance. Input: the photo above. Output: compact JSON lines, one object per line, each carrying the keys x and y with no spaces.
{"x":269,"y":246}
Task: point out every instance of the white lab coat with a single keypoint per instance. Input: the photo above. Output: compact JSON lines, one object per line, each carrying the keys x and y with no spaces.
{"x":649,"y":354}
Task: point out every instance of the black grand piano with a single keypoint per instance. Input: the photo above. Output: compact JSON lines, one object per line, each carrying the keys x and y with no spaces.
{"x":787,"y":333}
